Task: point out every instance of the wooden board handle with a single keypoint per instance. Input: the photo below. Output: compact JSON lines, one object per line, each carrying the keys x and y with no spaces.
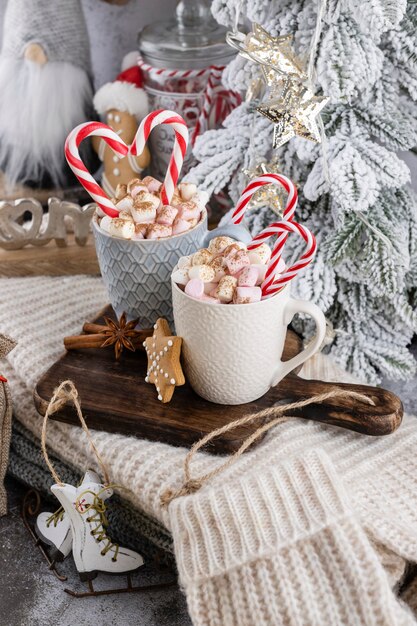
{"x":381,"y":419}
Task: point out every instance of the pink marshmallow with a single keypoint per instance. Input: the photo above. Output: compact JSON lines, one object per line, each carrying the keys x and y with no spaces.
{"x":158,"y":231}
{"x":248,"y":277}
{"x":261,"y":272}
{"x":137,"y":189}
{"x":237,"y":262}
{"x":195,"y":288}
{"x":180,"y":226}
{"x":189,"y":211}
{"x":231,"y":250}
{"x":152,"y":184}
{"x":166,"y":215}
{"x":209,"y":288}
{"x":210,"y":299}
{"x":246,"y":295}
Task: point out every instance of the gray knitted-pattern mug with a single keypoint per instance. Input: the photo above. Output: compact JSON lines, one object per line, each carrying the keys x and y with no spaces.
{"x":137,"y":274}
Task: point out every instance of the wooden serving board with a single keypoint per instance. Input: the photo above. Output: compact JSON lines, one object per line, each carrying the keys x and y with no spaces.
{"x":115,"y":398}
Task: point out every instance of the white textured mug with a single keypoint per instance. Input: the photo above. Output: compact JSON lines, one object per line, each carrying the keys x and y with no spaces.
{"x":232,"y":353}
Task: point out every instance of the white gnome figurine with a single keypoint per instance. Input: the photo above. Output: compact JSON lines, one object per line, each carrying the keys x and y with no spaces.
{"x":122,"y":103}
{"x":46,"y":89}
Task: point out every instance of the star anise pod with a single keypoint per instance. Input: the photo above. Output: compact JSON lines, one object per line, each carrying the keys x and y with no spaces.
{"x":120,"y":334}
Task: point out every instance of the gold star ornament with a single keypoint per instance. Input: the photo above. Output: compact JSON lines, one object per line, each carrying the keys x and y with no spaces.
{"x":294,"y":113}
{"x":275,"y":54}
{"x":164,"y":368}
{"x":272,"y":196}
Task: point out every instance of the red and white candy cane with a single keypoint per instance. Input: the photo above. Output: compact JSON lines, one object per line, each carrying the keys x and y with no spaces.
{"x":272,"y":285}
{"x":257,"y":183}
{"x":148,"y":123}
{"x":171,"y":73}
{"x":72,"y":143}
{"x":210,"y":116}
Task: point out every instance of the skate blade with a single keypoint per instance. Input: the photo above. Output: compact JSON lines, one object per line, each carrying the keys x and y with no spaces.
{"x":89,"y":576}
{"x":30,"y":507}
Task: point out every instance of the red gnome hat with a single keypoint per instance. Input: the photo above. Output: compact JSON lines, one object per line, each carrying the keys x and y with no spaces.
{"x":126,"y":93}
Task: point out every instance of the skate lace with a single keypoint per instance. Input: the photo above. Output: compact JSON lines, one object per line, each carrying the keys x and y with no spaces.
{"x":56,"y":517}
{"x":99,"y":517}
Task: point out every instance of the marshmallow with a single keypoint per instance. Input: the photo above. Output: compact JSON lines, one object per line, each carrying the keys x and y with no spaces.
{"x":189,"y":211}
{"x":263,"y":254}
{"x":125,"y":215}
{"x":203,"y":272}
{"x":144,"y":213}
{"x":247,"y":295}
{"x":158,"y":231}
{"x":125,"y":204}
{"x":180,"y":226}
{"x":176,"y":200}
{"x":124,"y":229}
{"x":138,"y":189}
{"x":206,"y":298}
{"x":138,"y":236}
{"x":152,"y":184}
{"x":219,"y":244}
{"x":194,"y":288}
{"x":248,"y":277}
{"x":232,"y":249}
{"x":141,"y":231}
{"x":166,"y":215}
{"x":225,"y":289}
{"x":180,"y":277}
{"x":187,"y":190}
{"x":202,"y":256}
{"x":237,"y":262}
{"x":183,"y":262}
{"x":219,"y":266}
{"x":209,"y":287}
{"x":121,"y":191}
{"x":145,"y":196}
{"x":261,"y":272}
{"x":105,"y":223}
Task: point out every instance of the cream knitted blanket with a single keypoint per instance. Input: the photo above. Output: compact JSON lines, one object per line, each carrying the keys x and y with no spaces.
{"x":314,"y":526}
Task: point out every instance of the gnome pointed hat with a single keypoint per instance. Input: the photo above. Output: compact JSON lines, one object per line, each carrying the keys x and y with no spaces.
{"x":126,"y":93}
{"x":58,"y":26}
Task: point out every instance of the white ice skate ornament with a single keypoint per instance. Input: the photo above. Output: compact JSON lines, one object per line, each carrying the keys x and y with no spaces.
{"x":93,"y":551}
{"x":54,"y":529}
{"x":83,"y":515}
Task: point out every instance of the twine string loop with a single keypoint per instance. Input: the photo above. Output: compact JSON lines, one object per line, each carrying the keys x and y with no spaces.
{"x":271,"y":416}
{"x":64,"y":393}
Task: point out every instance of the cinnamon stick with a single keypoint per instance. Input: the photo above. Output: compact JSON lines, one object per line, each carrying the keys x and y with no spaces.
{"x":94,"y":328}
{"x":96,"y":340}
{"x":84,"y":341}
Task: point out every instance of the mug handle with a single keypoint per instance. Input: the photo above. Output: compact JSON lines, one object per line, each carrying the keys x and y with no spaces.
{"x":301,"y":306}
{"x":235,"y":231}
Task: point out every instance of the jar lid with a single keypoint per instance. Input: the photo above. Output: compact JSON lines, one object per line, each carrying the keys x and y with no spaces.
{"x":192,"y":40}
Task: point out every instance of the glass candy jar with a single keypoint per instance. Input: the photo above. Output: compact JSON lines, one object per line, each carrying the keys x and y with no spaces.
{"x":178,"y":57}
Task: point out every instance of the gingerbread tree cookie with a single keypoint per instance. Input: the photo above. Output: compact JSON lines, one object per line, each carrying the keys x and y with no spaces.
{"x":164,"y":367}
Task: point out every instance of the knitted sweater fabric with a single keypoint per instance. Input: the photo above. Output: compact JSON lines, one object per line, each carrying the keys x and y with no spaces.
{"x":313,"y":526}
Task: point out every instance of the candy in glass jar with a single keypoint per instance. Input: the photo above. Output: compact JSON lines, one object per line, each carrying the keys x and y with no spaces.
{"x":182,"y":61}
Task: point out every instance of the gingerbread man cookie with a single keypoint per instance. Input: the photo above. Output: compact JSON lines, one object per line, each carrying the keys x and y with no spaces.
{"x":164,"y":368}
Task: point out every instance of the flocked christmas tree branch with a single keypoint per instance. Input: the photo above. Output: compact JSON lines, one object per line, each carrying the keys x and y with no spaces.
{"x":364,"y":276}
